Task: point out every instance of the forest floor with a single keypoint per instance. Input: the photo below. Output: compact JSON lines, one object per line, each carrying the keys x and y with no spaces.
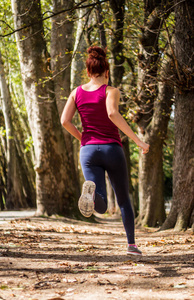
{"x":60,"y":258}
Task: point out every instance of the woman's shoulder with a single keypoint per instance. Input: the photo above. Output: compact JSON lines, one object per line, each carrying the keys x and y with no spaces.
{"x":73,"y":92}
{"x":112,"y":90}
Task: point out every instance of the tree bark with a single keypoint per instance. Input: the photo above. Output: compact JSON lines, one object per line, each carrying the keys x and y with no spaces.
{"x":61,"y":57}
{"x":155,"y":12}
{"x":151,"y":179}
{"x":25,"y":154}
{"x":61,"y":51}
{"x":2,"y":165}
{"x":152,"y":116}
{"x":117,"y":41}
{"x":102,"y":33}
{"x":117,"y":73}
{"x":182,"y":210}
{"x":80,"y":47}
{"x":55,"y":191}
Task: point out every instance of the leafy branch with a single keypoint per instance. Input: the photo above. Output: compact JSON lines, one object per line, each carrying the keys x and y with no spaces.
{"x":77,"y":6}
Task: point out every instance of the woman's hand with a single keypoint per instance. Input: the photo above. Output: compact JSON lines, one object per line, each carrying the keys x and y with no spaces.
{"x":145,"y":147}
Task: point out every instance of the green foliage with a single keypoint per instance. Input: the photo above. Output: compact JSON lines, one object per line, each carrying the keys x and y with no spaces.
{"x":2,"y":131}
{"x":9,"y":52}
{"x":166,"y":32}
{"x":8,"y":48}
{"x":6,"y":18}
{"x":28,"y":143}
{"x":47,"y":8}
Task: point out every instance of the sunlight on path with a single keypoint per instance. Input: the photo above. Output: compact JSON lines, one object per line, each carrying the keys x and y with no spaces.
{"x":11,"y":215}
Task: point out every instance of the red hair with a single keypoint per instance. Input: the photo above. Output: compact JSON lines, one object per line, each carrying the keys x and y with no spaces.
{"x":97,"y":62}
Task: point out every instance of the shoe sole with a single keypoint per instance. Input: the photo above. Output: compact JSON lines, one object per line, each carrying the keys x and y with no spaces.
{"x":86,"y":200}
{"x":134,"y":253}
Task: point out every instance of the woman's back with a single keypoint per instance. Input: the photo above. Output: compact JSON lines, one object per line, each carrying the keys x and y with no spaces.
{"x":97,"y":127}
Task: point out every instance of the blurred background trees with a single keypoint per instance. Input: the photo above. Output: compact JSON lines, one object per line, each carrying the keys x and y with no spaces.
{"x":43,"y":48}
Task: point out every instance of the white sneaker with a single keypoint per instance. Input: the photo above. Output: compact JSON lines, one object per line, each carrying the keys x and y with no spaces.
{"x":86,"y":200}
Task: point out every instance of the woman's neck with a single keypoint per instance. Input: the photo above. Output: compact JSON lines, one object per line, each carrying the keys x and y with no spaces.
{"x":98,"y":81}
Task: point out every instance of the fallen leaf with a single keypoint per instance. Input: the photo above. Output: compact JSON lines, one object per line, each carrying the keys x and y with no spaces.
{"x":180,"y":286}
{"x":3,"y":287}
{"x":70,"y":290}
{"x":69,"y":280}
{"x":82,"y":249}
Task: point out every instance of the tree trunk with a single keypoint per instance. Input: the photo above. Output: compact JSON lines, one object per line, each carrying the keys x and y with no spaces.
{"x":15,"y":197}
{"x":100,"y":19}
{"x":2,"y":165}
{"x":117,"y":73}
{"x":117,"y":41}
{"x":25,"y":154}
{"x":61,"y":51}
{"x":61,"y":56}
{"x":80,"y":47}
{"x":132,"y":192}
{"x":181,"y":214}
{"x":54,"y":186}
{"x":148,"y":62}
{"x":151,"y":179}
{"x":112,"y":203}
{"x":152,"y":116}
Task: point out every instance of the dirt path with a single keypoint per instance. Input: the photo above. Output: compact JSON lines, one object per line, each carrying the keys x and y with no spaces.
{"x":59,"y":258}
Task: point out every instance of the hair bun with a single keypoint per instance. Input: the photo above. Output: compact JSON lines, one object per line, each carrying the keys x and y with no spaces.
{"x":97,"y":53}
{"x":96,"y":62}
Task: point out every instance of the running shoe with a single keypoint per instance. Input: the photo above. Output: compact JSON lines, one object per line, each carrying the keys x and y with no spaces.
{"x":133,"y":250}
{"x":86,"y":200}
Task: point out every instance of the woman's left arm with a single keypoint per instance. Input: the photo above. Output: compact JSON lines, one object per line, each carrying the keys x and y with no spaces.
{"x":112,"y":106}
{"x":67,"y":116}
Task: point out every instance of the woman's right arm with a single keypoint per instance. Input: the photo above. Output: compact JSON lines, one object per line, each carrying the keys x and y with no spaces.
{"x":67,"y":116}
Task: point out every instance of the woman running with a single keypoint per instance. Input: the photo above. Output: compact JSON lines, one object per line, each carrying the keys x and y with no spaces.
{"x":101,"y":147}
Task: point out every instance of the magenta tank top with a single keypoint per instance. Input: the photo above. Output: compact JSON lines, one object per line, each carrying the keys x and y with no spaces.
{"x":97,"y":127}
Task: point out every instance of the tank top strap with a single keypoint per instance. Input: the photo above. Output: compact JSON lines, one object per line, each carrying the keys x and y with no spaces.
{"x":105,"y":86}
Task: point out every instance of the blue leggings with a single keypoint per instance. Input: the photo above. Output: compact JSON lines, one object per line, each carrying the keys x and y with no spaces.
{"x":95,"y":160}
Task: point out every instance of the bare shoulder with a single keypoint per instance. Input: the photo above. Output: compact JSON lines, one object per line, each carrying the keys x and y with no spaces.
{"x":73,"y":94}
{"x":112,"y":91}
